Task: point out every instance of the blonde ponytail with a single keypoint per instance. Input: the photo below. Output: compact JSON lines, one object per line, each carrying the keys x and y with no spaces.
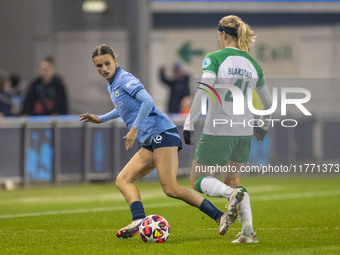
{"x":245,"y":36}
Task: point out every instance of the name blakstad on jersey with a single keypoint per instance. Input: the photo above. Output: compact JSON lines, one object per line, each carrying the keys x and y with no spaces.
{"x":240,"y":72}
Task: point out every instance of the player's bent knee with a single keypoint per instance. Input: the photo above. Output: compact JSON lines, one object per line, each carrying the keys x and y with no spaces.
{"x":227,"y":181}
{"x":120,"y":181}
{"x":170,"y":191}
{"x":193,"y":183}
{"x":232,"y":182}
{"x":117,"y":182}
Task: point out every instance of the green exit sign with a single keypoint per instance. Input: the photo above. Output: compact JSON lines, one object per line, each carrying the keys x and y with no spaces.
{"x":278,"y":53}
{"x":186,"y":52}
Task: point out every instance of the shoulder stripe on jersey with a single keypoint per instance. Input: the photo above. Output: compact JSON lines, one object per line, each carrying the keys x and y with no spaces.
{"x":209,"y":71}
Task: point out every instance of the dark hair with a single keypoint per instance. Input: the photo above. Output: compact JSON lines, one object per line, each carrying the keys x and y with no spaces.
{"x":49,"y":59}
{"x":102,"y":49}
{"x":15,"y":80}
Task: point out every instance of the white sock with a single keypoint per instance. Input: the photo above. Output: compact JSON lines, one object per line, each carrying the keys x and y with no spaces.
{"x":245,"y":215}
{"x":215,"y":188}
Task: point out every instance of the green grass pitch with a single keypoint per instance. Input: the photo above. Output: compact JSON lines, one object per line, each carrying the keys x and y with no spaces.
{"x":290,"y":216}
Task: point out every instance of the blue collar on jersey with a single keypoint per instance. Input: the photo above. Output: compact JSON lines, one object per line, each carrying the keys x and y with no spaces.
{"x":116,"y":73}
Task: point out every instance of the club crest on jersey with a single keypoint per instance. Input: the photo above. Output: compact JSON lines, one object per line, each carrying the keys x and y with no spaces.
{"x":158,"y":139}
{"x":117,"y":93}
{"x":206,"y":63}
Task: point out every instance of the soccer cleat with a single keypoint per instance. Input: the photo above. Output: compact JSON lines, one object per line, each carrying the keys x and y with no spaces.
{"x":230,"y":217}
{"x":245,"y":239}
{"x":222,"y":224}
{"x":130,"y":230}
{"x":235,"y":198}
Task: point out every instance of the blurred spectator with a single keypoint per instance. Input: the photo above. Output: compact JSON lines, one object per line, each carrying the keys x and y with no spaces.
{"x":185,"y":105}
{"x":16,"y":89}
{"x":46,"y":95}
{"x":5,"y":99}
{"x":179,"y":87}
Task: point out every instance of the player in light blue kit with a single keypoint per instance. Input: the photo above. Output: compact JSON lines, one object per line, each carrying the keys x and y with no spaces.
{"x":157,"y":134}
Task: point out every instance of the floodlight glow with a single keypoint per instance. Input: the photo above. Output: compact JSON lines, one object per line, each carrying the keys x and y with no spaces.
{"x":94,"y":6}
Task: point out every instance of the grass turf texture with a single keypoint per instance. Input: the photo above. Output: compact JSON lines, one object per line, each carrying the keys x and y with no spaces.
{"x":291,"y":216}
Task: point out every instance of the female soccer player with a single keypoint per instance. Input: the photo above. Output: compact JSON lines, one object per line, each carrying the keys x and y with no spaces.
{"x":158,"y":136}
{"x":228,"y":144}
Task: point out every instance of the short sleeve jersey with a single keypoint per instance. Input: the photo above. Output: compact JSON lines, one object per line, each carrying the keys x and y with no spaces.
{"x":122,"y":91}
{"x":234,"y":67}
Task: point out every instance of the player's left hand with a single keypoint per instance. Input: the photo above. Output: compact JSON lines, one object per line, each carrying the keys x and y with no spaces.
{"x":187,"y":135}
{"x":130,"y":137}
{"x":260,"y":133}
{"x":88,"y":117}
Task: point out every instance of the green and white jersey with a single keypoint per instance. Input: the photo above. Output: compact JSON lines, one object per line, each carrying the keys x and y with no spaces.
{"x":230,"y":66}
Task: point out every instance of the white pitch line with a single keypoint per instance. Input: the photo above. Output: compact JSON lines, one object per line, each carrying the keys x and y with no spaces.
{"x":59,"y":230}
{"x":103,"y":197}
{"x":275,"y":229}
{"x":198,"y":228}
{"x":83,"y":198}
{"x":102,"y":209}
{"x":296,"y":195}
{"x":162,"y":205}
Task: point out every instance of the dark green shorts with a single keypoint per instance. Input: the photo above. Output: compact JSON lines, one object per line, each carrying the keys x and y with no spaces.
{"x":218,"y":150}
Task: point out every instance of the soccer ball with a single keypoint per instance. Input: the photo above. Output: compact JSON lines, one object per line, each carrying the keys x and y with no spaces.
{"x":154,"y":229}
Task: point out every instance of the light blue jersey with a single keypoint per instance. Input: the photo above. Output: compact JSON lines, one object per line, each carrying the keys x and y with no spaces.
{"x":122,"y":91}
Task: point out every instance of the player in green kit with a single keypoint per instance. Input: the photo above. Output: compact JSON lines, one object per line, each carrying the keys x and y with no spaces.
{"x":226,"y":137}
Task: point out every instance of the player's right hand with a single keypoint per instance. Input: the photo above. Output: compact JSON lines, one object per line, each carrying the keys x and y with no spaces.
{"x":187,"y":135}
{"x":88,"y":117}
{"x":130,"y":137}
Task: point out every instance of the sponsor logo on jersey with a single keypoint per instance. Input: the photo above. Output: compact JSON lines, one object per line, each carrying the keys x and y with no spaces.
{"x":206,"y":63}
{"x":134,"y":81}
{"x":158,"y":139}
{"x":117,"y":93}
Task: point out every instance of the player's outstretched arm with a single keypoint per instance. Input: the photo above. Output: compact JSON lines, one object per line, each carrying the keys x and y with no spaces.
{"x":88,"y":117}
{"x":195,"y":109}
